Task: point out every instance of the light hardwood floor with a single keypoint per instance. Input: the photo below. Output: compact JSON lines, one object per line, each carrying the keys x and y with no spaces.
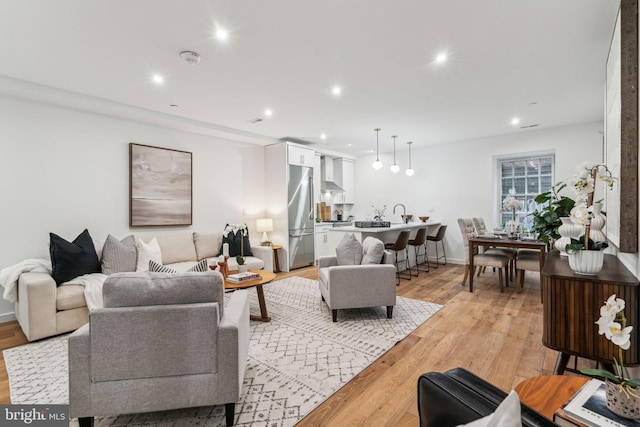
{"x":495,"y":335}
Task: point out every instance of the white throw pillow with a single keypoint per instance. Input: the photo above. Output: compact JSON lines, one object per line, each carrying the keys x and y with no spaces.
{"x":506,"y":415}
{"x":373,"y":250}
{"x":147,"y":252}
{"x":349,"y":250}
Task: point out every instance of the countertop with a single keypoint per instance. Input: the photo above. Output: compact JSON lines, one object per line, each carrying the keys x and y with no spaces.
{"x":394,"y":227}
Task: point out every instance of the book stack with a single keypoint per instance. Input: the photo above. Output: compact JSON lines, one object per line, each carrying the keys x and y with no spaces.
{"x":588,"y":408}
{"x":242,"y":277}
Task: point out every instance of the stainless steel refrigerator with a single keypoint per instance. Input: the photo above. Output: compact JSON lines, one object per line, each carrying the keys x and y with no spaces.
{"x":301,"y":219}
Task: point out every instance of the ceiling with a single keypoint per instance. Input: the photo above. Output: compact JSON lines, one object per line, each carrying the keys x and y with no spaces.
{"x":542,"y":61}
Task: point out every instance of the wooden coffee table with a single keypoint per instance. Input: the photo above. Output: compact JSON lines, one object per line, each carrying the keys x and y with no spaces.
{"x":265,"y":277}
{"x":547,"y":393}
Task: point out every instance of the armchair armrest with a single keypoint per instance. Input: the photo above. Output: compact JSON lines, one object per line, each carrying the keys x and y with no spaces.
{"x":327,"y":261}
{"x":265,"y":253}
{"x":80,"y":372}
{"x":233,"y":344}
{"x":36,"y":306}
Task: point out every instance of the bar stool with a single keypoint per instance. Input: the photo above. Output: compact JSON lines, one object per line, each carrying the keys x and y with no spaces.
{"x":399,"y":246}
{"x":416,"y":242}
{"x":439,"y":237}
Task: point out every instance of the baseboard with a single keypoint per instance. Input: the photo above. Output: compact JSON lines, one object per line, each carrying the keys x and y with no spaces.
{"x":7,"y":317}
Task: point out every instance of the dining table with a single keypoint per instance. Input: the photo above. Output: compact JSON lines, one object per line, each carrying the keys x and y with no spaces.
{"x":502,"y":241}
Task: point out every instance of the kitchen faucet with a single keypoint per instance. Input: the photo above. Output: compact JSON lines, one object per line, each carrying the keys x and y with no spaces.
{"x":404,"y":212}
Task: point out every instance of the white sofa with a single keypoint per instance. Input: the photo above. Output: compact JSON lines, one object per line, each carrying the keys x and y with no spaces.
{"x":44,"y":309}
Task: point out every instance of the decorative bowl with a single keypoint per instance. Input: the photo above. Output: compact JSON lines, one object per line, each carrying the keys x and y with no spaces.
{"x":424,"y":218}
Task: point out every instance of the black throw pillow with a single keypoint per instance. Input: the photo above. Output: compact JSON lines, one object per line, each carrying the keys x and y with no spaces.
{"x":72,"y":259}
{"x":234,"y":243}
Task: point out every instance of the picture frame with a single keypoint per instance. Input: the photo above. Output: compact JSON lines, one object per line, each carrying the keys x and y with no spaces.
{"x":160,"y":186}
{"x":621,"y":130}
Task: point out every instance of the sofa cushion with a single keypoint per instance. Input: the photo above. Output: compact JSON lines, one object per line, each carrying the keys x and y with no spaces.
{"x":207,"y":244}
{"x":177,"y":248}
{"x":72,"y":259}
{"x":119,"y":255}
{"x":234,"y":240}
{"x":199,"y":267}
{"x":144,"y":289}
{"x":372,"y":250}
{"x":507,"y":414}
{"x":349,"y":250}
{"x":147,"y":252}
{"x":69,"y":297}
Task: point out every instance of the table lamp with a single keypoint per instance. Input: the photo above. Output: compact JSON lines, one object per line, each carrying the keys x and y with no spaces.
{"x":264,"y":225}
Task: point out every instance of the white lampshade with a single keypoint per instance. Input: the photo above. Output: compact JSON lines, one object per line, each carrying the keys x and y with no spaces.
{"x":263,"y":225}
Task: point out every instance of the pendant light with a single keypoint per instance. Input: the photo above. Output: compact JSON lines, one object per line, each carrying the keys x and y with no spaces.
{"x":394,"y":167}
{"x":377,"y":164}
{"x":409,"y":171}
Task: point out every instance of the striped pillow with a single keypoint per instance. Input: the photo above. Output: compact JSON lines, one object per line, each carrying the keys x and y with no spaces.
{"x":156,"y":267}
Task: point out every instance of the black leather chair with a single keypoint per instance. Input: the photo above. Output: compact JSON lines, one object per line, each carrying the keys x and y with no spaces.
{"x":459,"y":397}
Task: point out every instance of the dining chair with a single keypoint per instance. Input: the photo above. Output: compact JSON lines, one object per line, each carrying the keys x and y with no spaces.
{"x":481,"y":228}
{"x":498,"y":261}
{"x":528,"y":260}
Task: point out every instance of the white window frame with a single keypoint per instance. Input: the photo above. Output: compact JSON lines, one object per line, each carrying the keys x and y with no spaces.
{"x":522,"y":215}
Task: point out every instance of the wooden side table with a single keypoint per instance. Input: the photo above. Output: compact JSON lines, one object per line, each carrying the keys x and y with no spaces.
{"x":276,"y":261}
{"x":547,"y":393}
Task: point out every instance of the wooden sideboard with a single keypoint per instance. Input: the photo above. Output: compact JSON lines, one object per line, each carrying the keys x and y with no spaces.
{"x":571,"y":304}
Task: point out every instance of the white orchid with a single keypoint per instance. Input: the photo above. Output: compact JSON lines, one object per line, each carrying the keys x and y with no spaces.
{"x":613,"y":325}
{"x":581,"y":215}
{"x":511,"y":203}
{"x":612,"y":306}
{"x":234,"y":228}
{"x":618,"y":335}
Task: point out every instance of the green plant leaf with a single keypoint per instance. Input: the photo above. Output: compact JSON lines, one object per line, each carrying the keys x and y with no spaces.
{"x":601,"y":373}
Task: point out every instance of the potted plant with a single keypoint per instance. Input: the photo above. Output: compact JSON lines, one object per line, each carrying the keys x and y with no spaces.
{"x":585,"y":255}
{"x":622,"y":393}
{"x":547,"y":219}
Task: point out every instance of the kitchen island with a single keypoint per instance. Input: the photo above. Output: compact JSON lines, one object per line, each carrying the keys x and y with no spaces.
{"x":386,"y":234}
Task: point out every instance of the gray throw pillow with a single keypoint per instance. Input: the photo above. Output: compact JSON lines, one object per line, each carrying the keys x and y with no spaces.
{"x":373,"y":249}
{"x":349,"y":250}
{"x":119,"y":256}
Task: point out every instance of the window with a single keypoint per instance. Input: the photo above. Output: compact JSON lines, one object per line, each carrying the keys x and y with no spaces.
{"x":524,"y":178}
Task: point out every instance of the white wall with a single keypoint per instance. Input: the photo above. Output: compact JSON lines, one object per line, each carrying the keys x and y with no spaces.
{"x":63,"y":170}
{"x":457,"y":180}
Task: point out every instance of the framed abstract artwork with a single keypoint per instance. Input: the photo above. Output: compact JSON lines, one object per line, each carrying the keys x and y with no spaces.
{"x":160,"y":186}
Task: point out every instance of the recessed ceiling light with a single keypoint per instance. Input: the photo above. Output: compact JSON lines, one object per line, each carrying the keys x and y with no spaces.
{"x":268,"y":112}
{"x":157,"y":79}
{"x":441,"y":58}
{"x":515,"y":121}
{"x":323,"y":136}
{"x":336,"y":90}
{"x":222,"y":34}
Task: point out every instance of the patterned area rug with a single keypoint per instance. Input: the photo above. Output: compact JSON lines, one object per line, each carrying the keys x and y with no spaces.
{"x":296,"y":361}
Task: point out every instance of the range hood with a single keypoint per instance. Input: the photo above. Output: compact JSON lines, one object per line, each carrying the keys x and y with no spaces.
{"x":327,"y":176}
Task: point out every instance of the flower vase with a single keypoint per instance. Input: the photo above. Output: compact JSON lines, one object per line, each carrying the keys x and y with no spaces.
{"x":586,"y":262}
{"x":621,"y":402}
{"x":243,"y":268}
{"x":567,"y":231}
{"x":597,"y":224}
{"x":513,"y":228}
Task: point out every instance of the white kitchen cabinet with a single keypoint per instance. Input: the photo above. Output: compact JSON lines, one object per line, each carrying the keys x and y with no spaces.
{"x":317,"y":182}
{"x":300,"y":156}
{"x":322,"y":241}
{"x":345,"y":176}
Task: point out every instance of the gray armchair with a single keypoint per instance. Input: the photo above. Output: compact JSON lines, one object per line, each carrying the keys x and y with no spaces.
{"x":358,"y":286}
{"x":161,"y":342}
